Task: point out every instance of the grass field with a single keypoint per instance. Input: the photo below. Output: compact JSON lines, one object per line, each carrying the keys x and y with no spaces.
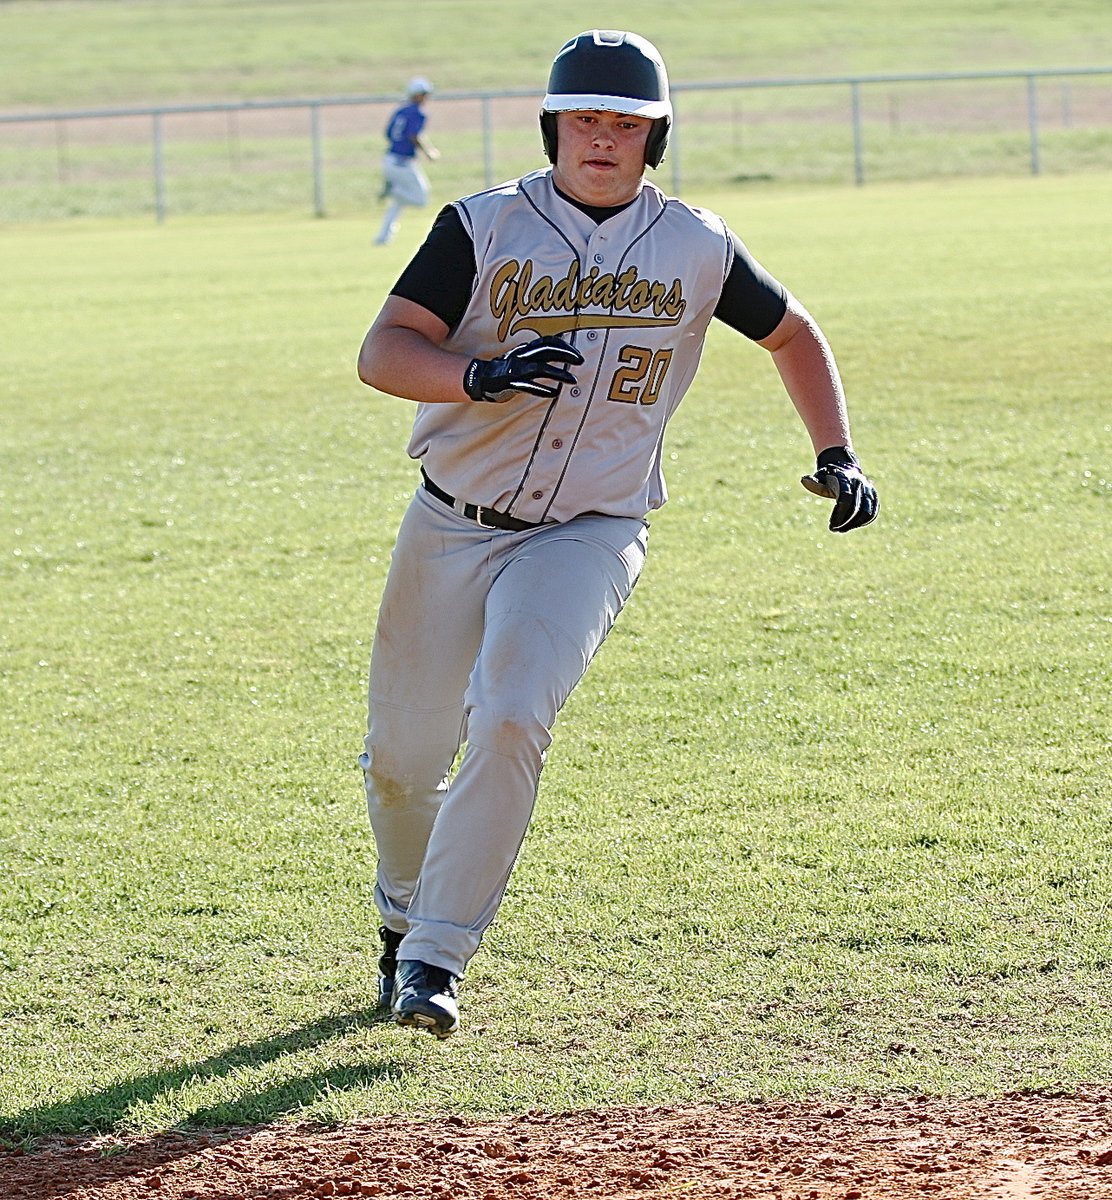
{"x":828,"y":815}
{"x":99,"y":52}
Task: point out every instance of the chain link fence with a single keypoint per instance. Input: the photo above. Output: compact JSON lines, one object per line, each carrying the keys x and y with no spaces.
{"x":322,"y":156}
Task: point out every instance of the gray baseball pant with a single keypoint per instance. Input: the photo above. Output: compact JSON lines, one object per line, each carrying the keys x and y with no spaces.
{"x":481,"y":637}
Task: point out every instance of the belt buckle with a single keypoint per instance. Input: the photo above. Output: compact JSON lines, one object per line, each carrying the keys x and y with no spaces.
{"x":479,"y":513}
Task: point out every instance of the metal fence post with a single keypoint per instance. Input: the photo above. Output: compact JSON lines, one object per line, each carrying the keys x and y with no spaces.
{"x":233,"y":140}
{"x":674,"y":151}
{"x":318,"y":176}
{"x":487,"y":144}
{"x":159,"y":168}
{"x":1033,"y":121}
{"x":60,"y":145}
{"x":858,"y":140}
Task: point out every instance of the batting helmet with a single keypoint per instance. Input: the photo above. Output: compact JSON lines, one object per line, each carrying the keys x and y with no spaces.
{"x":607,"y":70}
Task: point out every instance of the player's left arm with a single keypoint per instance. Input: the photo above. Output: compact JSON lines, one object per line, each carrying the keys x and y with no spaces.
{"x":810,"y":375}
{"x":429,"y":151}
{"x":416,"y":129}
{"x":811,"y":378}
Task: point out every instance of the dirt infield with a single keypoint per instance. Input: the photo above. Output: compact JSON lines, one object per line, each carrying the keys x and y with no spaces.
{"x":1020,"y":1147}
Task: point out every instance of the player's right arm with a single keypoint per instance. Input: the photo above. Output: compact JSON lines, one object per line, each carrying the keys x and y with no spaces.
{"x":403,"y":351}
{"x":402,"y":355}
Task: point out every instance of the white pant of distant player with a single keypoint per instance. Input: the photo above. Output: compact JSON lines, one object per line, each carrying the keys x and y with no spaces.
{"x":407,"y":185}
{"x":481,"y":637}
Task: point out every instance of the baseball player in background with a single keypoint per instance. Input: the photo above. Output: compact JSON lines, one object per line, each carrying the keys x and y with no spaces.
{"x":403,"y":181}
{"x":547,"y":330}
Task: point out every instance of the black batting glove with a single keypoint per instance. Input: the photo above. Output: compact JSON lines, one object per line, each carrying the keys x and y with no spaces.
{"x":838,"y":477}
{"x":524,"y":369}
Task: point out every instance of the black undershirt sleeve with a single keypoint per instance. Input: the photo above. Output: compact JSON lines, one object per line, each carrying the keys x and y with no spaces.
{"x":752,"y":301}
{"x":441,"y":277}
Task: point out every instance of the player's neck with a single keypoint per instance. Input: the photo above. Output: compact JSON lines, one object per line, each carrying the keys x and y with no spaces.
{"x":597,"y":213}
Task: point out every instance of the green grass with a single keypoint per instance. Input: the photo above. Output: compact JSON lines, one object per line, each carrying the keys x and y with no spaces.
{"x":96,"y":52}
{"x":828,"y":815}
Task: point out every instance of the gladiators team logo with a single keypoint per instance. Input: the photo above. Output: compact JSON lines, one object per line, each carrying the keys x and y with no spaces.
{"x":551,"y":306}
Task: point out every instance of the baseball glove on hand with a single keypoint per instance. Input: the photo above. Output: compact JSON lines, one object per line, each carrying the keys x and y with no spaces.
{"x":838,"y":477}
{"x":523,"y":369}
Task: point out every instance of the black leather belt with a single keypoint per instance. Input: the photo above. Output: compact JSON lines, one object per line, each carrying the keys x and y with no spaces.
{"x":489,"y":518}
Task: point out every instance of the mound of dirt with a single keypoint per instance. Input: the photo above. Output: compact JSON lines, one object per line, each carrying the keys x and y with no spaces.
{"x":1019,"y":1147}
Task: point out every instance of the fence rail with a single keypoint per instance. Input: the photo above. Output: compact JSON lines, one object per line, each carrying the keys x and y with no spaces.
{"x":282,"y":154}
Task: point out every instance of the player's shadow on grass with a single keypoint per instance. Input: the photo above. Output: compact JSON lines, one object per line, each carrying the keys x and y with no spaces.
{"x":106,"y":1110}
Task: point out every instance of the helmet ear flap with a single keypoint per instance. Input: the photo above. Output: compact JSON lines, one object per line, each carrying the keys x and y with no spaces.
{"x":657,"y":142}
{"x":548,"y":135}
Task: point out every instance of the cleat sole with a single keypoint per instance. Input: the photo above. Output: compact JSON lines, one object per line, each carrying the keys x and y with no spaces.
{"x":421,"y":1021}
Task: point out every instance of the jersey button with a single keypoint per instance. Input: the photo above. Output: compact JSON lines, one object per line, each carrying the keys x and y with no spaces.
{"x":575,"y":391}
{"x":592,"y":334}
{"x":598,"y":258}
{"x":538,"y":495}
{"x":557,"y":443}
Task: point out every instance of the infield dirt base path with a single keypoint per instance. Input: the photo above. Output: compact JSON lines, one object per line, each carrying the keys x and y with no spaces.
{"x":1020,"y":1147}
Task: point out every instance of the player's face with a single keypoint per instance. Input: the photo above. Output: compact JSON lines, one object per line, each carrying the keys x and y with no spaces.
{"x":600,"y":156}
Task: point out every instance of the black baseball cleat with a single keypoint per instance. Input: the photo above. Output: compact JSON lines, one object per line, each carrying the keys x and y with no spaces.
{"x":425,"y":997}
{"x":387,"y":965}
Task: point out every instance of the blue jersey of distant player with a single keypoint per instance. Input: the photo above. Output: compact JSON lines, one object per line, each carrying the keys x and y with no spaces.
{"x":405,"y":125}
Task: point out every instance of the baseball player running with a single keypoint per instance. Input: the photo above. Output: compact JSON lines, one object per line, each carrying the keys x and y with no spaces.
{"x":404,"y":183}
{"x":547,"y":329}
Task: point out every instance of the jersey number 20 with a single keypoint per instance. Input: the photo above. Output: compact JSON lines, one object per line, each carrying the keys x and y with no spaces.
{"x":638,"y":379}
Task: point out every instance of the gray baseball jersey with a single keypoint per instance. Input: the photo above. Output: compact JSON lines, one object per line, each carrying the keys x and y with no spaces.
{"x":634,"y":294}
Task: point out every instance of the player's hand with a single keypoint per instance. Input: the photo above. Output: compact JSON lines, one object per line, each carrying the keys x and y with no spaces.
{"x":838,"y":477}
{"x":534,"y":368}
